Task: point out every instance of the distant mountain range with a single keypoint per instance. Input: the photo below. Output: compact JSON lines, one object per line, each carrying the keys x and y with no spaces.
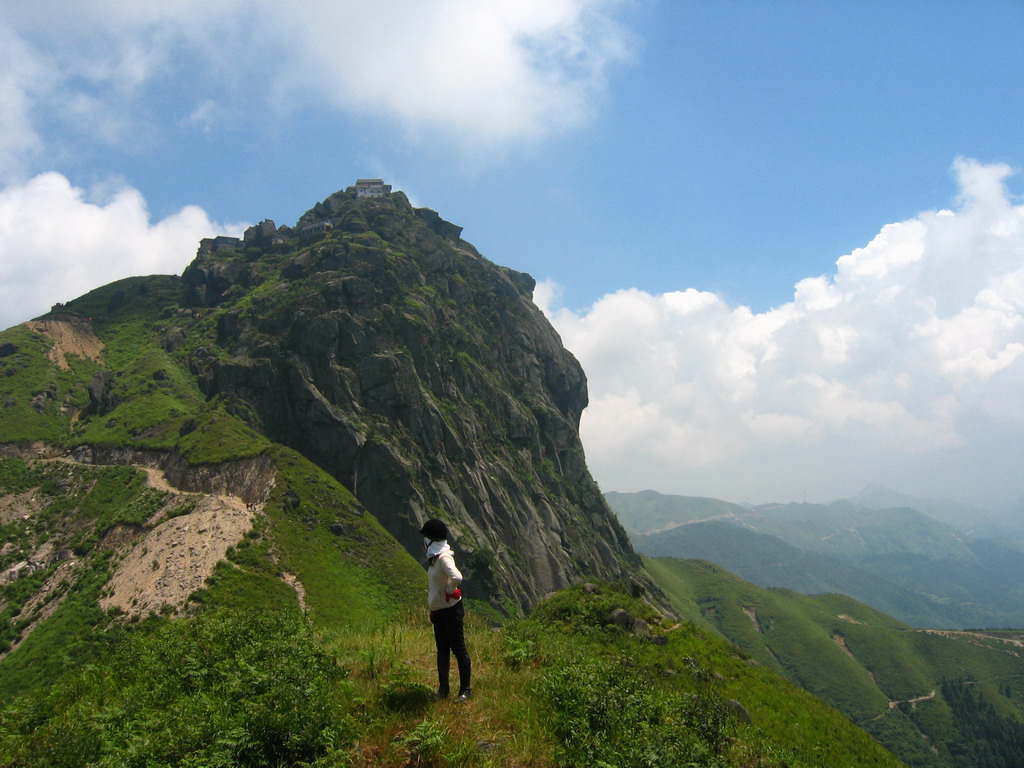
{"x":969,"y":518}
{"x":897,"y":560}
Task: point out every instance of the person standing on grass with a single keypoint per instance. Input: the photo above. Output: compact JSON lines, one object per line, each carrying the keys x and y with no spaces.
{"x":446,"y":609}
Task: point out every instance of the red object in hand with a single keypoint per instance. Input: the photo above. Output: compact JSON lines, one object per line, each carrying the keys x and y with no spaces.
{"x":456,"y":595}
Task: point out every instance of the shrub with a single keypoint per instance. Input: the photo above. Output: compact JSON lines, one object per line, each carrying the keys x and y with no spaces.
{"x":219,"y":689}
{"x":606,"y":713}
{"x":577,"y":611}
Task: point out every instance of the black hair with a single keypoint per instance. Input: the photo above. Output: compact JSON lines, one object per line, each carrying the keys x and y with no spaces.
{"x":435,"y":530}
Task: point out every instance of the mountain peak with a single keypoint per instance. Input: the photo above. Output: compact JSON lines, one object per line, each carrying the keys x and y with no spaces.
{"x":375,"y":341}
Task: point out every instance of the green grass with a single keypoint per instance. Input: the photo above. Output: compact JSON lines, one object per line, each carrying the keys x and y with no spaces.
{"x":77,"y":634}
{"x":352,"y":569}
{"x":33,"y":390}
{"x":17,"y":476}
{"x":141,"y":299}
{"x":669,"y":700}
{"x":214,"y":436}
{"x":155,"y":399}
{"x":850,"y":655}
{"x":562,"y":688}
{"x":247,"y":689}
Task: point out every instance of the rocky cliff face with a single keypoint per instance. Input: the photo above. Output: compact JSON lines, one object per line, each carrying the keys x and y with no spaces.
{"x":422,"y":376}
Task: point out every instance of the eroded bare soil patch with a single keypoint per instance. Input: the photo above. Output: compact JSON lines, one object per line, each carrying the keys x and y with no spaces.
{"x":174,"y":559}
{"x":18,"y":506}
{"x":841,"y":642}
{"x":71,"y":336}
{"x":752,"y":615}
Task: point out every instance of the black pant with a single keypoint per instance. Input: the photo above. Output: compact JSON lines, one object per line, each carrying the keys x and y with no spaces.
{"x":449,"y":637}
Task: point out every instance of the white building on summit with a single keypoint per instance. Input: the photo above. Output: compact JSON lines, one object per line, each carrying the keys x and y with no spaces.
{"x":372,"y":188}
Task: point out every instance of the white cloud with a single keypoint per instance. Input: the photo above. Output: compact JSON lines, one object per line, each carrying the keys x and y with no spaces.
{"x":903,"y":367}
{"x":479,"y":74}
{"x":206,"y":115}
{"x":56,"y":243}
{"x":486,"y":72}
{"x":21,"y":76}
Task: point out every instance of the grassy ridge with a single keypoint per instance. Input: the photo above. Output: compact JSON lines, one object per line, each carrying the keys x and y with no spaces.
{"x":225,"y":683}
{"x":647,"y":511}
{"x":885,"y":675}
{"x":561,"y":688}
{"x":246,"y":678}
{"x":358,"y":663}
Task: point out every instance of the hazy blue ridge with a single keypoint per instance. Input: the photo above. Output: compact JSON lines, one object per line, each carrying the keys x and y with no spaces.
{"x":900,"y":561}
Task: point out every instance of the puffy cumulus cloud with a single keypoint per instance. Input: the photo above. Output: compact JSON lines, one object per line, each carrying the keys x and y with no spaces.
{"x":903,"y":367}
{"x":485,"y":71}
{"x":56,"y":243}
{"x":478,"y":73}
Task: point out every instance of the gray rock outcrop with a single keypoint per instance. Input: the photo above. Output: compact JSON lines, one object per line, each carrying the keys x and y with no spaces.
{"x":423,"y":377}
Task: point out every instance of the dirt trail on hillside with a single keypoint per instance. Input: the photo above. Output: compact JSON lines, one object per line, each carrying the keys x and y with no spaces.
{"x":841,"y":642}
{"x":672,"y":526}
{"x":155,"y":478}
{"x":913,"y":702}
{"x":980,"y":638}
{"x":71,"y":336}
{"x":175,"y":558}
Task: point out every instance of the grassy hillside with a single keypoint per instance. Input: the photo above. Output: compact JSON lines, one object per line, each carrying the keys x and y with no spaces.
{"x":66,"y":526}
{"x":769,"y":561}
{"x":967,"y":518}
{"x":335,"y":665}
{"x":563,"y":687}
{"x":308,"y":643}
{"x":348,"y":569}
{"x":38,"y":396}
{"x":886,"y":676}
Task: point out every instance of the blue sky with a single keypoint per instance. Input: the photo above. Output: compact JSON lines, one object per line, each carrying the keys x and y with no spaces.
{"x":676,"y":168}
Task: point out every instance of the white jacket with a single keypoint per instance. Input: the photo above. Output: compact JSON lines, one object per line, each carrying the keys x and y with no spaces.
{"x":442,"y":576}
